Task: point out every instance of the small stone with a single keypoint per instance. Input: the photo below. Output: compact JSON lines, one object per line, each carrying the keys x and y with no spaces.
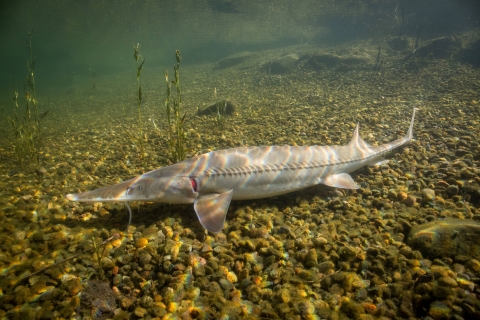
{"x":206,"y":248}
{"x":172,"y":307}
{"x":467,"y":174}
{"x":311,"y":260}
{"x":410,"y":201}
{"x":307,"y":308}
{"x":473,"y":265}
{"x":125,"y":302}
{"x":38,"y":236}
{"x":428,"y":193}
{"x":117,"y":279}
{"x":347,"y":253}
{"x":402,"y":196}
{"x":199,"y":271}
{"x":232,"y":277}
{"x":39,"y":286}
{"x":124,"y":259}
{"x":325,"y":266}
{"x":140,"y":312}
{"x":145,"y":259}
{"x":447,"y":282}
{"x":141,"y":242}
{"x":225,"y":284}
{"x":439,"y":310}
{"x":439,"y":271}
{"x":452,"y":190}
{"x":392,"y":194}
{"x":146,"y":301}
{"x":284,"y":295}
{"x":320,"y":241}
{"x":107,"y":263}
{"x":406,"y":251}
{"x":466,"y":284}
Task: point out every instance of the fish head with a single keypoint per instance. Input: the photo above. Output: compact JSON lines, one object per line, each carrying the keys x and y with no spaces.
{"x":176,"y":189}
{"x":170,"y":189}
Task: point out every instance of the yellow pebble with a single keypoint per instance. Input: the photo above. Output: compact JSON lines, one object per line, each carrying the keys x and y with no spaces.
{"x":141,"y":242}
{"x":302,"y":293}
{"x":172,"y":307}
{"x":232,"y":277}
{"x":402,"y":196}
{"x":117,"y":243}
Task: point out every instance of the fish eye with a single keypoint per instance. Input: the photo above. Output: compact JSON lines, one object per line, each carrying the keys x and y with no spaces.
{"x":139,"y":187}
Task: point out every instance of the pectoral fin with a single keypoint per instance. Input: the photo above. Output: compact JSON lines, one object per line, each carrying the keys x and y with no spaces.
{"x":341,"y":180}
{"x":212,"y":209}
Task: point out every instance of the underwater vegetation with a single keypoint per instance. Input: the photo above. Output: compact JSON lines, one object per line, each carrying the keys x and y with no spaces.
{"x":175,"y":117}
{"x":94,"y":85}
{"x":220,"y":116}
{"x":139,"y":139}
{"x":27,"y":135}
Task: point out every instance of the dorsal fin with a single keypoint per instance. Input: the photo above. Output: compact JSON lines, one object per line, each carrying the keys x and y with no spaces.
{"x":356,"y":135}
{"x":357,"y":141}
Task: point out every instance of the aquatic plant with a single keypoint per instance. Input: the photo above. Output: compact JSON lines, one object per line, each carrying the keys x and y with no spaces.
{"x":220,"y":120}
{"x":175,"y":117}
{"x":139,"y":139}
{"x":99,"y":253}
{"x":94,"y":85}
{"x":27,"y":135}
{"x":138,"y":57}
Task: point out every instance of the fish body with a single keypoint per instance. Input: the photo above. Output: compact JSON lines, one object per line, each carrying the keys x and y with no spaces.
{"x":211,"y":180}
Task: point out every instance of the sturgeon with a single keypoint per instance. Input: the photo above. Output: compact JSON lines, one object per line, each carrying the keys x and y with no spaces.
{"x":211,"y":180}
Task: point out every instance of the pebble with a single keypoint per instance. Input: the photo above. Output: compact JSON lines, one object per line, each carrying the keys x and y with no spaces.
{"x":452,"y":190}
{"x":107,"y":263}
{"x":402,"y":196}
{"x":141,"y":242}
{"x":145,"y":259}
{"x":140,"y":312}
{"x":428,"y":194}
{"x":410,"y":201}
{"x":447,"y":282}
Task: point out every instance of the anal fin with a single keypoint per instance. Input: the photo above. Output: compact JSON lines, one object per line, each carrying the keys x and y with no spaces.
{"x":212,"y":209}
{"x":341,"y":180}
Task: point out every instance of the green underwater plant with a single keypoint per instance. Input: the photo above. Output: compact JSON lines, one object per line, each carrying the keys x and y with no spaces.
{"x":27,"y":135}
{"x":138,"y":57}
{"x":220,"y":120}
{"x":175,"y":117}
{"x":99,"y":252}
{"x":94,"y":85}
{"x":140,"y":137}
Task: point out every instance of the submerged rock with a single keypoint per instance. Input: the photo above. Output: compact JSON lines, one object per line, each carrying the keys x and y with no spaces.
{"x":446,"y":238}
{"x":211,"y":109}
{"x":98,"y":300}
{"x":330,"y":60}
{"x":439,"y":48}
{"x":283,"y":64}
{"x":234,"y":59}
